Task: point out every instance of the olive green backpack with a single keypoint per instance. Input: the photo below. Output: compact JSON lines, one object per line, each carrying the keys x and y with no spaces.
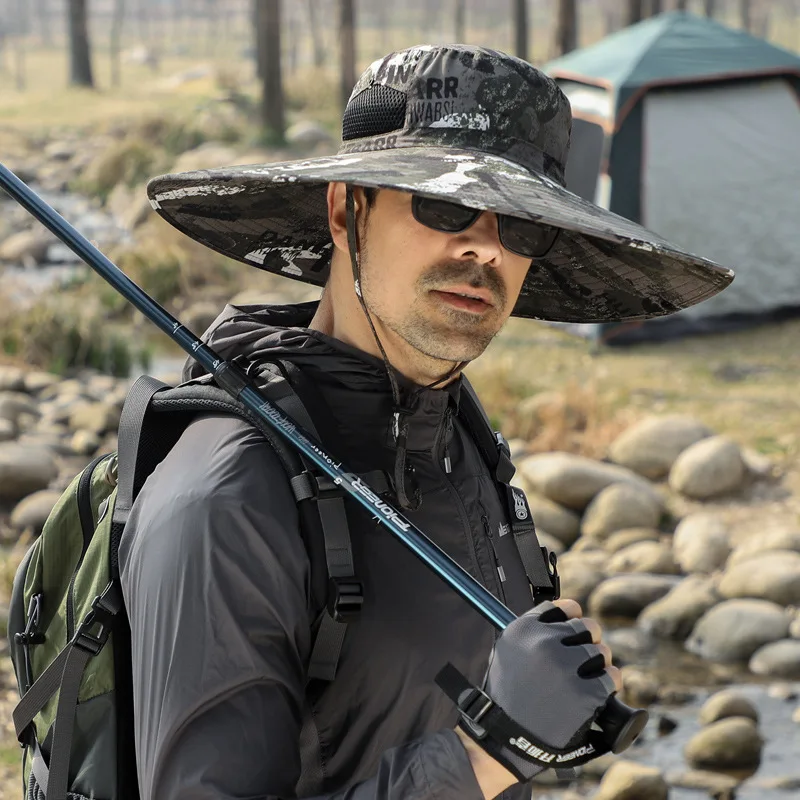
{"x":68,"y":631}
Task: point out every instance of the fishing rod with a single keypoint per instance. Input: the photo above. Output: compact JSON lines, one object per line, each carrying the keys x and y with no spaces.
{"x":620,"y":723}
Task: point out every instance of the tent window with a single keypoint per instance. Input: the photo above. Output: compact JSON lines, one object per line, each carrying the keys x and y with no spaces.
{"x":585,"y":153}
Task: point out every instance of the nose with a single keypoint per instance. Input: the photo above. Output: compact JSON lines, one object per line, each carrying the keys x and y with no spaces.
{"x":481,"y":241}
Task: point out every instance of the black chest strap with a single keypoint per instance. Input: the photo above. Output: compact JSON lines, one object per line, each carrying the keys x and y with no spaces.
{"x":540,"y":566}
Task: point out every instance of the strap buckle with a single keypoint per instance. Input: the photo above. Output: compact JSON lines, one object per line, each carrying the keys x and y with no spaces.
{"x":105,"y":608}
{"x":542,"y":593}
{"x":345,"y":598}
{"x":474,"y":704}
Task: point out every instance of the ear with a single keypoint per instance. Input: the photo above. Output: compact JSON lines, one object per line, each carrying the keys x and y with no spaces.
{"x":337,"y":212}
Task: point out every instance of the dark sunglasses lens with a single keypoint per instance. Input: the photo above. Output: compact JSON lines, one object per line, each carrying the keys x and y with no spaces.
{"x":527,"y":238}
{"x":442,"y":215}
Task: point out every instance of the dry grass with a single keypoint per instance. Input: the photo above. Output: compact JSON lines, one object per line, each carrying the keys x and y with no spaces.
{"x":743,"y":384}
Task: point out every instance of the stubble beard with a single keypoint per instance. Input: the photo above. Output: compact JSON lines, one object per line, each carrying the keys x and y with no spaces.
{"x":443,"y":333}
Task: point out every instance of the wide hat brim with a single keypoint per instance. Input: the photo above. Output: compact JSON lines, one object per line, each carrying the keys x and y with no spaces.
{"x":602,"y":268}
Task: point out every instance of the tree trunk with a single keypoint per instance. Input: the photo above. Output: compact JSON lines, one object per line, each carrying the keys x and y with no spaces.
{"x":43,"y":16}
{"x":115,"y":35}
{"x":567,"y":26}
{"x":347,"y":38}
{"x":316,"y":33}
{"x":268,"y":43}
{"x":653,"y":7}
{"x":460,"y":21}
{"x":746,"y":15}
{"x":521,"y":29}
{"x":634,"y":12}
{"x":680,"y":5}
{"x":20,"y":32}
{"x":709,"y":8}
{"x":80,"y":60}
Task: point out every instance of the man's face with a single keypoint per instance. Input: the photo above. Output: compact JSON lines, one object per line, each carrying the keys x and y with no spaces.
{"x":445,"y":294}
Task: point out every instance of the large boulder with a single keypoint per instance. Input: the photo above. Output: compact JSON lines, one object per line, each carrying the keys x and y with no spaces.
{"x":620,"y":506}
{"x":24,"y":470}
{"x":572,"y":480}
{"x":726,"y":703}
{"x":13,"y":405}
{"x":701,"y":543}
{"x":626,"y":596}
{"x":754,"y":546}
{"x":558,"y":521}
{"x":733,"y":743}
{"x":97,"y":417}
{"x":779,"y":659}
{"x":651,"y":446}
{"x":652,"y":557}
{"x":709,"y":468}
{"x":774,"y":575}
{"x":675,"y":614}
{"x":32,"y":511}
{"x":629,"y":780}
{"x":733,"y":630}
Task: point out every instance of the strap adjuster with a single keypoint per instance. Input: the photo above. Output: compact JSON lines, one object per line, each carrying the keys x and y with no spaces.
{"x":345,"y":598}
{"x":105,"y":608}
{"x":474,"y":704}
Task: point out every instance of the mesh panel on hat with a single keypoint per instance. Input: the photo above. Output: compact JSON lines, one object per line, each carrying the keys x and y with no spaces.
{"x":378,"y":109}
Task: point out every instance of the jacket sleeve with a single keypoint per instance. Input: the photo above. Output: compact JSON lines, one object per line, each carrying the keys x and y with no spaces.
{"x":216,"y":581}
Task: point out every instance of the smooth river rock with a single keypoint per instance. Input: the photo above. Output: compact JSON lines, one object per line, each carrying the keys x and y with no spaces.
{"x":558,"y":521}
{"x":629,"y":780}
{"x":756,"y":545}
{"x":700,"y":543}
{"x":779,"y":659}
{"x":773,"y":575}
{"x":572,"y":480}
{"x":627,"y":595}
{"x":620,"y":506}
{"x":651,"y":446}
{"x":733,"y":630}
{"x":677,"y":612}
{"x":24,"y":470}
{"x":733,"y":743}
{"x":32,"y":511}
{"x":652,"y":557}
{"x":726,"y":703}
{"x":709,"y":468}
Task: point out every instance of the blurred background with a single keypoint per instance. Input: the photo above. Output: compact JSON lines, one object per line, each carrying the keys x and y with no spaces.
{"x":662,"y":460}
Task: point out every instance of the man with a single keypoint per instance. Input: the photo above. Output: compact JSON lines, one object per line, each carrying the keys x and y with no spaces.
{"x":443,"y":214}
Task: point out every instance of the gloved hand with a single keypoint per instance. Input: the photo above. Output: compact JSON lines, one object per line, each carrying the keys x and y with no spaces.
{"x":547,"y":681}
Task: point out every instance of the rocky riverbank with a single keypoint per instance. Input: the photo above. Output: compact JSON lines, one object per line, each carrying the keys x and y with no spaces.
{"x":674,"y":540}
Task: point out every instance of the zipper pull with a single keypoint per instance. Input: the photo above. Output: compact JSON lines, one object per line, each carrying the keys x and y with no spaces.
{"x":448,"y":427}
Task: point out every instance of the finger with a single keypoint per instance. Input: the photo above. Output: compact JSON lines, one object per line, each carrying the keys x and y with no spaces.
{"x":606,"y":652}
{"x":594,"y":628}
{"x":616,"y":676}
{"x":571,"y":608}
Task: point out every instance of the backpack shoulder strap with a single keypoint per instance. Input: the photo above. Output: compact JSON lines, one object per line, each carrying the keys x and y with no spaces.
{"x":540,"y":567}
{"x":145,"y":438}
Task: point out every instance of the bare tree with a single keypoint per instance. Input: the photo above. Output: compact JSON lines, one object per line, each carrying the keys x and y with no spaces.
{"x":567,"y":26}
{"x":80,"y":58}
{"x":633,"y":12}
{"x":460,"y":20}
{"x":20,"y":32}
{"x":347,"y":55}
{"x":316,"y":33}
{"x":652,"y":7}
{"x":521,"y":29}
{"x":43,"y":19}
{"x":709,"y":7}
{"x":680,"y":5}
{"x":268,"y":44}
{"x":115,"y":35}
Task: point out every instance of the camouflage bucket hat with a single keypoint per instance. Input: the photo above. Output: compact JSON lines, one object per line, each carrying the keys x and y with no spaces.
{"x":465,"y":124}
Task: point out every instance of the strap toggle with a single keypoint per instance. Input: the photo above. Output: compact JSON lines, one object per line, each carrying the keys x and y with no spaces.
{"x":345,"y":598}
{"x":105,"y":608}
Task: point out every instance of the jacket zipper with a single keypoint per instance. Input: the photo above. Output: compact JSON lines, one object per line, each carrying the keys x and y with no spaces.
{"x":490,"y":536}
{"x":446,"y":469}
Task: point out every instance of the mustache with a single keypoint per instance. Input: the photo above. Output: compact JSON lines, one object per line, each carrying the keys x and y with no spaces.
{"x":478,"y":276}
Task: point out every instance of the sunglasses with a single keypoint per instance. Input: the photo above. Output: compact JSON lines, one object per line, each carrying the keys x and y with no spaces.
{"x":520,"y":236}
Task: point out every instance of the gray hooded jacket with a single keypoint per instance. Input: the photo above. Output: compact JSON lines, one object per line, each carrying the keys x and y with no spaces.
{"x":216,"y":581}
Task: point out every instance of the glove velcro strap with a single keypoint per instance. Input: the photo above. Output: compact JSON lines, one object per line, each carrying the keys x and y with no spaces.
{"x":485,"y":722}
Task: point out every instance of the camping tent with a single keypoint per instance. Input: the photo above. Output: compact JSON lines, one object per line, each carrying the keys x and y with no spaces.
{"x":693,"y":130}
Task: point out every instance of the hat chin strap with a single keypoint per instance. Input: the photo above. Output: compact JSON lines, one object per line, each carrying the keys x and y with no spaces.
{"x":400,"y":413}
